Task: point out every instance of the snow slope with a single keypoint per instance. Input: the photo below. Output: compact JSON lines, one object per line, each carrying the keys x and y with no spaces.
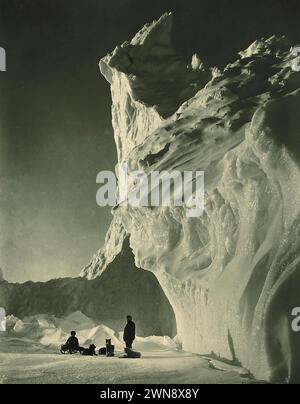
{"x":231,"y":275}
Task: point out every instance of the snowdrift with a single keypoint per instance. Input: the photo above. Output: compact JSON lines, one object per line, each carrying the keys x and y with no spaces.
{"x":233,"y":274}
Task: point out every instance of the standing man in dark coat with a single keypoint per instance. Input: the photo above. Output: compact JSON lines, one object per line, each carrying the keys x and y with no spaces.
{"x":129,"y":332}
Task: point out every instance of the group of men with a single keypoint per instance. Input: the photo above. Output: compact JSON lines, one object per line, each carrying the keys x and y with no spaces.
{"x":72,"y":344}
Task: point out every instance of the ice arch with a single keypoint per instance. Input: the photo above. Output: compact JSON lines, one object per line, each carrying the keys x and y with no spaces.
{"x":232,"y":276}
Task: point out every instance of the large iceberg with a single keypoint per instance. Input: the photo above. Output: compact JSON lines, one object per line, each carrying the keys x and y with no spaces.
{"x":233,"y":274}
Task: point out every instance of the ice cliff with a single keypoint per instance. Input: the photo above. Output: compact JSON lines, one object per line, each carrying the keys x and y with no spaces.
{"x":233,"y":274}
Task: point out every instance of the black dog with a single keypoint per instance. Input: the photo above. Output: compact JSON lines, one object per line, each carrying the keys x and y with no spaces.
{"x":89,"y":351}
{"x":109,"y":348}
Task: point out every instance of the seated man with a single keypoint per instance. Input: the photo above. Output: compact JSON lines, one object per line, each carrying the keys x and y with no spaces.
{"x":72,"y":344}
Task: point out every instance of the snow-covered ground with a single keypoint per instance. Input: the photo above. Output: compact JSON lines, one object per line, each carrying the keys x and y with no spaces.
{"x":29,"y":353}
{"x":154,"y":367}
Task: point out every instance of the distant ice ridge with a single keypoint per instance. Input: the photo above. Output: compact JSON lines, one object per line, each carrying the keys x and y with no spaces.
{"x":233,"y":275}
{"x":53,"y":332}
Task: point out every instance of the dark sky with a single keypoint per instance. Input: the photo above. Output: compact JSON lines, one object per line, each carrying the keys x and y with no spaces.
{"x":55,"y":132}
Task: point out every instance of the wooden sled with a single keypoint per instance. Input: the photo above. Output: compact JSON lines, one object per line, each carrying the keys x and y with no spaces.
{"x":129,"y":353}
